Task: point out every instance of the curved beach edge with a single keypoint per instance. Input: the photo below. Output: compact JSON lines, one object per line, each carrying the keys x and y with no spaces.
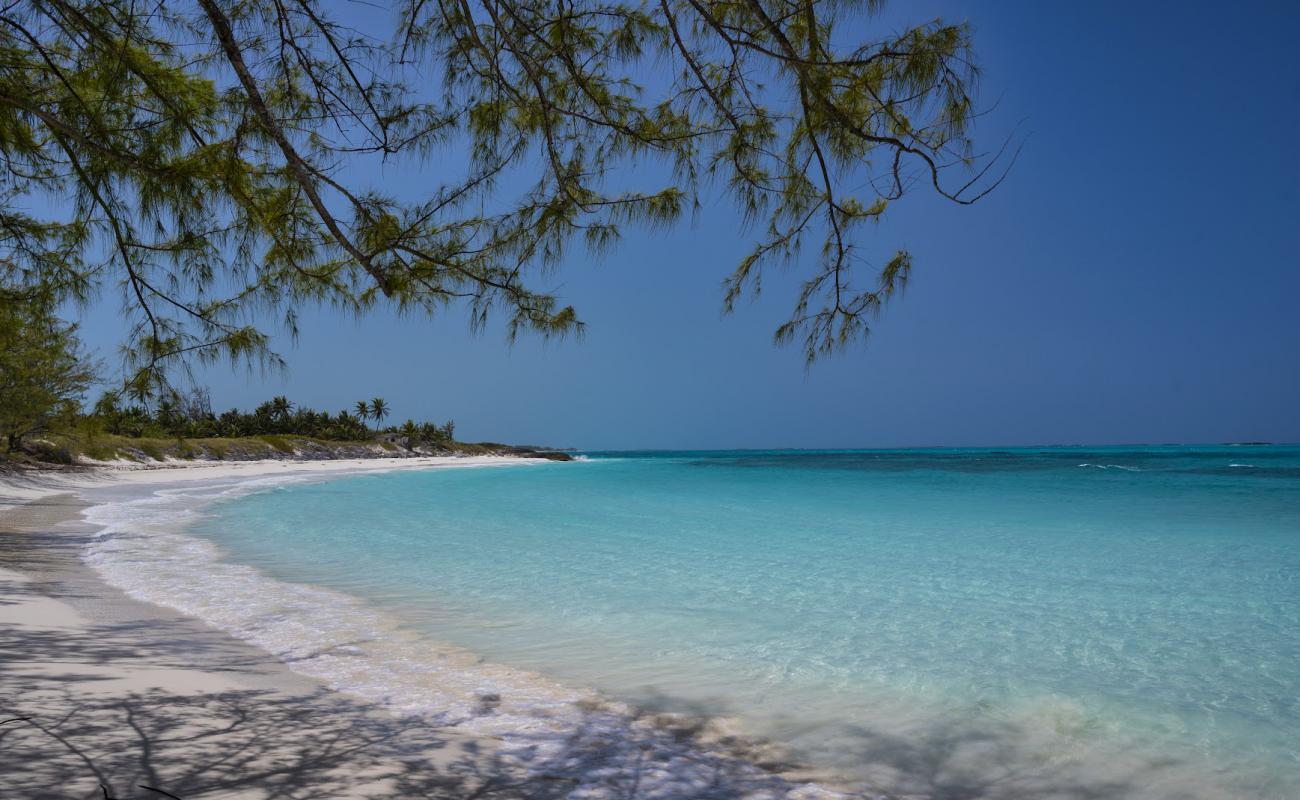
{"x":103,"y":692}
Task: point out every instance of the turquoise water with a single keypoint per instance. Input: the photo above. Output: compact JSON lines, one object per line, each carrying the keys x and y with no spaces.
{"x":947,"y":623}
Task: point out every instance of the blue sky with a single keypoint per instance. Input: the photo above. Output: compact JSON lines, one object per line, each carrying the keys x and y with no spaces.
{"x":1137,"y":279}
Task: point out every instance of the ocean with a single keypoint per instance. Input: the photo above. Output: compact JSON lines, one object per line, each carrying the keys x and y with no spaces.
{"x":943,"y":623}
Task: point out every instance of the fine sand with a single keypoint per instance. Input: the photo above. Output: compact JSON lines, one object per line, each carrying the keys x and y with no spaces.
{"x":20,"y":487}
{"x":103,"y":696}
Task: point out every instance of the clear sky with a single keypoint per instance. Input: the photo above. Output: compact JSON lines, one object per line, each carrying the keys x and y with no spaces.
{"x":1137,"y":279}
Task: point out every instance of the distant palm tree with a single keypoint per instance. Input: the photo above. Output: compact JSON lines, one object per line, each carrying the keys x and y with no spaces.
{"x":363,"y":410}
{"x":378,"y":410}
{"x":281,"y":407}
{"x":166,"y":411}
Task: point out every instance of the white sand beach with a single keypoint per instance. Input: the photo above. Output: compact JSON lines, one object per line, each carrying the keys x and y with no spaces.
{"x":21,"y":487}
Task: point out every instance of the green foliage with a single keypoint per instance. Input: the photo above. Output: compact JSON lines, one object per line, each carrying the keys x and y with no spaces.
{"x":101,"y":450}
{"x":67,"y":446}
{"x":217,"y":448}
{"x":51,"y":453}
{"x":378,"y":410}
{"x":278,"y":442}
{"x":42,"y":371}
{"x":208,"y":157}
{"x":151,"y":448}
{"x":189,"y":421}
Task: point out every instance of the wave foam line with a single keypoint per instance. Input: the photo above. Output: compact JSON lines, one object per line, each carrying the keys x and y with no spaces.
{"x":545,"y":727}
{"x":1112,"y":466}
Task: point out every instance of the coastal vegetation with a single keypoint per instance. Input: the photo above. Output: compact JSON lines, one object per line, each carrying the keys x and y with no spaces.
{"x":43,"y":372}
{"x":185,"y":427}
{"x":190,"y":416}
{"x":78,"y":446}
{"x":216,"y":165}
{"x":44,"y":375}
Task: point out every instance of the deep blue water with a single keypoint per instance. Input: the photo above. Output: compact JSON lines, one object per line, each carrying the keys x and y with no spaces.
{"x":979,"y":622}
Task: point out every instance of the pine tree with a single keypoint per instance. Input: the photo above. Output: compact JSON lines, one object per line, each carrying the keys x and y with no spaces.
{"x":204,"y":155}
{"x":43,"y":373}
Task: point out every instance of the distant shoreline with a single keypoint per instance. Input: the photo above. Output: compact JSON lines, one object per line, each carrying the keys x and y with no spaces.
{"x":64,"y":450}
{"x":25,"y":483}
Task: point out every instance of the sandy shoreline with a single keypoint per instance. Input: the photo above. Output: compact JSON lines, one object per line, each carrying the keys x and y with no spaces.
{"x":104,"y":693}
{"x":18,"y":487}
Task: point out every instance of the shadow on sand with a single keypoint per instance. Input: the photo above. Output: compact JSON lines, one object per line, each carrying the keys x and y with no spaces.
{"x":61,"y":738}
{"x":71,"y":727}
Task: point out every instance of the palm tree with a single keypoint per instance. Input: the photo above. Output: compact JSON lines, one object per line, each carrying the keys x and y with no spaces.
{"x":166,"y":415}
{"x":280,"y":407}
{"x":378,"y":410}
{"x":363,"y":410}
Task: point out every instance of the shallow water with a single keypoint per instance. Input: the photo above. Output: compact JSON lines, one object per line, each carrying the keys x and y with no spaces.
{"x":941,"y":623}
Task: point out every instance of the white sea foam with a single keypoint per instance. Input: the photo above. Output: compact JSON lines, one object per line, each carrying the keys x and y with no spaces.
{"x":351,"y":646}
{"x":1112,"y":466}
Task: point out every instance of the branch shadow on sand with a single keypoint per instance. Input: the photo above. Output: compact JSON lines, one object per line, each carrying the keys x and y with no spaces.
{"x":60,"y":738}
{"x":964,"y":757}
{"x":71,"y":727}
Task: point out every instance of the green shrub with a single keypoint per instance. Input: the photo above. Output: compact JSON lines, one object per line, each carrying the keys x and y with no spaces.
{"x":99,"y":451}
{"x":278,"y":442}
{"x":49,"y":452}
